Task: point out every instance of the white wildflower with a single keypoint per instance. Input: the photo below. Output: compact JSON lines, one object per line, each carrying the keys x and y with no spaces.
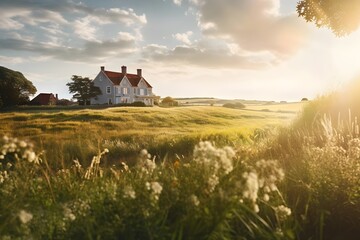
{"x":3,"y":176}
{"x":6,"y":139}
{"x":25,"y":216}
{"x":68,"y":214}
{"x":282,"y":212}
{"x":266,"y":197}
{"x":129,"y":192}
{"x":126,"y":167}
{"x":194,"y":200}
{"x":22,"y":144}
{"x":213,"y":182}
{"x":214,"y":158}
{"x":251,"y":186}
{"x":156,"y":187}
{"x":256,"y":208}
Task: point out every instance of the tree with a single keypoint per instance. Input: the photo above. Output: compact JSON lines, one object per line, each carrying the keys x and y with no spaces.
{"x":169,"y":101}
{"x":341,"y":16}
{"x":15,"y":89}
{"x":83,"y":88}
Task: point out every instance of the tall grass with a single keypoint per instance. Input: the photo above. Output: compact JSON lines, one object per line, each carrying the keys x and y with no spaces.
{"x":212,"y":195}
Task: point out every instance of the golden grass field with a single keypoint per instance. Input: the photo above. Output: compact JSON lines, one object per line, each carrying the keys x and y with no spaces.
{"x":81,"y":133}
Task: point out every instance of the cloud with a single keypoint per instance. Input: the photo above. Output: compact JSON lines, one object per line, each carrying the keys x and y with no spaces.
{"x":120,"y":47}
{"x":85,"y":28}
{"x":248,"y":34}
{"x":183,"y":37}
{"x":255,"y":25}
{"x":204,"y":55}
{"x":177,"y":2}
{"x":55,"y":10}
{"x":11,"y":60}
{"x":53,"y":29}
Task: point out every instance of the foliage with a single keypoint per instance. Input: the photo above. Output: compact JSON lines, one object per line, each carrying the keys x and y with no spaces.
{"x":211,"y":196}
{"x":342,"y":17}
{"x":138,"y":104}
{"x":236,"y":105}
{"x":15,"y":89}
{"x":83,"y":88}
{"x":64,"y":102}
{"x":169,"y":101}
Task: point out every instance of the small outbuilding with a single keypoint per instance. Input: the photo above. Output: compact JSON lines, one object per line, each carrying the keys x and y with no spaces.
{"x":44,"y":99}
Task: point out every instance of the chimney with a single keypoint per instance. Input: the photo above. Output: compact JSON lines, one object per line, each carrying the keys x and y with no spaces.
{"x":102,"y":68}
{"x":123,"y":69}
{"x":56,"y":95}
{"x":139,"y":72}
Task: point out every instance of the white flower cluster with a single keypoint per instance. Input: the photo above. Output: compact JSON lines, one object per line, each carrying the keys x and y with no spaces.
{"x":25,"y":216}
{"x":3,"y":176}
{"x":219,"y":159}
{"x":216,"y":162}
{"x":155,"y":188}
{"x":68,"y":214}
{"x":11,"y":149}
{"x":129,"y":192}
{"x":261,"y":180}
{"x":145,"y":162}
{"x":282,"y":212}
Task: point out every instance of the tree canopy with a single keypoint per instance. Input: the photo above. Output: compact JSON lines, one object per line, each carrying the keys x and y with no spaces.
{"x":83,"y":88}
{"x":15,"y":89}
{"x":341,"y":16}
{"x":169,"y":101}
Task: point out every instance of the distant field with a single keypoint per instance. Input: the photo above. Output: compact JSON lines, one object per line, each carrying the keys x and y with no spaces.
{"x":278,"y":107}
{"x":70,"y":134}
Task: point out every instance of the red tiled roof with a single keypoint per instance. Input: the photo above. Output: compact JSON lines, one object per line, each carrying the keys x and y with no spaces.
{"x":44,"y":99}
{"x":116,"y":78}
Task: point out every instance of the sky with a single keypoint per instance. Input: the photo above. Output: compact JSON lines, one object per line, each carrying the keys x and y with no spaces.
{"x":231,"y":49}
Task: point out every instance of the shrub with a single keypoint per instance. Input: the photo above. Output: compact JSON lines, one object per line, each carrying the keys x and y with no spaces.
{"x":138,"y":104}
{"x":236,"y":105}
{"x":169,"y":101}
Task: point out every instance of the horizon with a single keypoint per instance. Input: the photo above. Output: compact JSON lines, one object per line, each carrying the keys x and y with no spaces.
{"x":185,"y":48}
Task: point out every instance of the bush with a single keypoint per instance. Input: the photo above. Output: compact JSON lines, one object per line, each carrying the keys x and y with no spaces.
{"x":237,"y":105}
{"x":169,"y":101}
{"x":138,"y":104}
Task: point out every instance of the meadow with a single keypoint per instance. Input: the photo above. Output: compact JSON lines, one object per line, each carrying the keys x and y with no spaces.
{"x":198,"y":172}
{"x":79,"y":134}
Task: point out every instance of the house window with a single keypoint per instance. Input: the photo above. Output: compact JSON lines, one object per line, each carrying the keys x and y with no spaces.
{"x":119,"y":90}
{"x":149,"y":91}
{"x":108,"y":89}
{"x":125,"y":91}
{"x":142,"y":92}
{"x":134,"y":90}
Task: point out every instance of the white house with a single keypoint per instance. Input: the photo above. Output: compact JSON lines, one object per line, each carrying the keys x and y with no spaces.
{"x":122,"y":87}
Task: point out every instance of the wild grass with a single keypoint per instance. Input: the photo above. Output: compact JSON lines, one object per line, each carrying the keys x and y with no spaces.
{"x":66,"y":135}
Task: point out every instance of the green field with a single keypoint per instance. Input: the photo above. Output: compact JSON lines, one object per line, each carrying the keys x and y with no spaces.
{"x":127,"y":130}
